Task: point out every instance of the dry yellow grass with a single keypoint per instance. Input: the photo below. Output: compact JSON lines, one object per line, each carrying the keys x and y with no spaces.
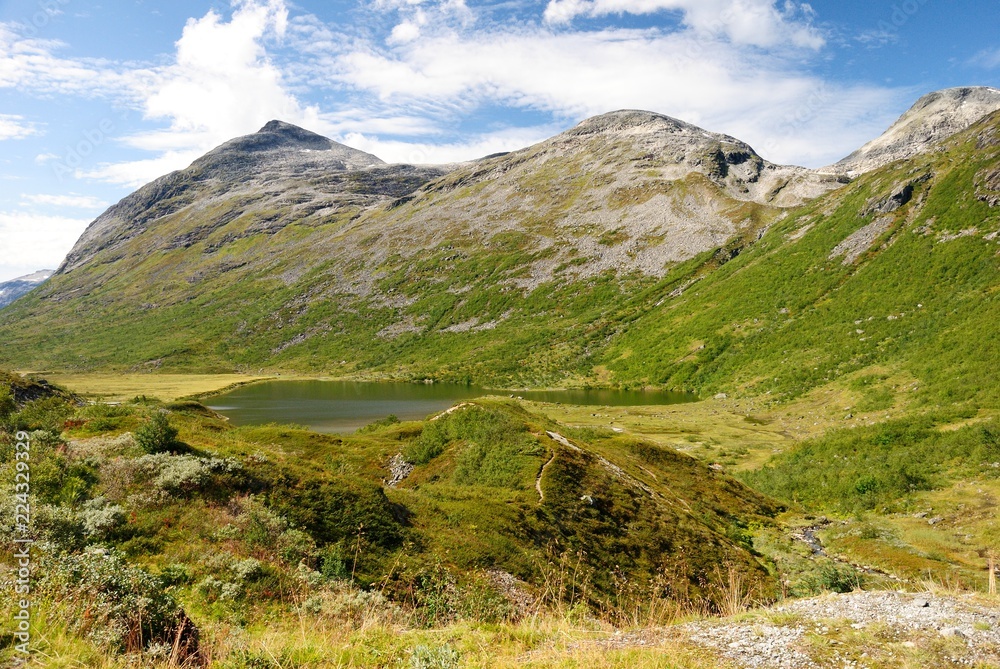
{"x":731,"y":433}
{"x":167,"y":387}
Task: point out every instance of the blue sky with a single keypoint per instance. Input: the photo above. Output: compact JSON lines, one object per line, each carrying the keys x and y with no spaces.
{"x":97,"y":98}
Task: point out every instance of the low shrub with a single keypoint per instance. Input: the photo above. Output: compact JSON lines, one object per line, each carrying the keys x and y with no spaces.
{"x":157,"y":435}
{"x":119,"y":607}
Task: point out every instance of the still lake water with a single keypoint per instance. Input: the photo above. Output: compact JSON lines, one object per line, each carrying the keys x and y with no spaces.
{"x":344,"y":406}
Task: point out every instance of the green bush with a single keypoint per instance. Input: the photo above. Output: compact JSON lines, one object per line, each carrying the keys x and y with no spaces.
{"x":157,"y":435}
{"x":377,"y":425}
{"x":493,"y":441}
{"x":46,"y":413}
{"x":429,"y":444}
{"x":434,"y":657}
{"x":7,"y":404}
{"x":166,"y":474}
{"x":338,"y":508}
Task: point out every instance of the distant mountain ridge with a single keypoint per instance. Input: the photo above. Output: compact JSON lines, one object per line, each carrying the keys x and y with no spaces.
{"x":281,"y":161}
{"x":15,"y":288}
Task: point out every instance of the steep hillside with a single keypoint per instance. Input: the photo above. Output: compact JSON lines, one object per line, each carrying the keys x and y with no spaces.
{"x":895,"y":276}
{"x":256,"y":184}
{"x":273,"y":251}
{"x":15,"y":288}
{"x":632,"y":249}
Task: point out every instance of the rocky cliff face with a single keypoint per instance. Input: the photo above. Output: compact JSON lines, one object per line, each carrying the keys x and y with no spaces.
{"x":628,"y":191}
{"x":933,"y":118}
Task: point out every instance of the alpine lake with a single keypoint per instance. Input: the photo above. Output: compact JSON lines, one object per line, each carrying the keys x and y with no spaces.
{"x":345,"y":406}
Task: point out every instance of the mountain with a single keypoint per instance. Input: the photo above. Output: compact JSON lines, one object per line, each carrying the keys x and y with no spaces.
{"x":933,"y":118}
{"x":885,"y":290}
{"x":256,"y":184}
{"x":286,"y":249}
{"x":15,"y":288}
{"x":631,"y":249}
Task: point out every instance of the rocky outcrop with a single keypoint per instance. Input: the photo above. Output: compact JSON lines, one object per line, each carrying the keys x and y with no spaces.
{"x":988,"y":186}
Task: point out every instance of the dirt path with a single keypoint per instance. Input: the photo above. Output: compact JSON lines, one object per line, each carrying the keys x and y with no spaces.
{"x":538,"y":479}
{"x":558,"y":438}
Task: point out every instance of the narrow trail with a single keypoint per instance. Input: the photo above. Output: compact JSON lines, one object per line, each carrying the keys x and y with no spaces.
{"x":538,"y":479}
{"x":614,"y":470}
{"x":451,"y":410}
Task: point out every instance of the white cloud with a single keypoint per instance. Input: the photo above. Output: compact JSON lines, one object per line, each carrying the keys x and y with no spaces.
{"x":70,"y":201}
{"x":15,"y":127}
{"x":407,"y":31}
{"x":735,"y":66}
{"x":750,"y":22}
{"x":753,"y":95}
{"x":136,"y":173}
{"x":221,"y":85}
{"x":32,"y":65}
{"x":989,"y":59}
{"x":438,"y":154}
{"x":41,"y":241}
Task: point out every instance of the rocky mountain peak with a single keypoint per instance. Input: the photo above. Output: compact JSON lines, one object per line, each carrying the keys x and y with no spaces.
{"x":932,"y":119}
{"x":15,"y":288}
{"x":632,"y":120}
{"x":281,"y":143}
{"x":306,"y":171}
{"x":280,"y":135}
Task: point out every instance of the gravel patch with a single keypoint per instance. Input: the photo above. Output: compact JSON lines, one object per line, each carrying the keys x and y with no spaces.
{"x":918,"y":616}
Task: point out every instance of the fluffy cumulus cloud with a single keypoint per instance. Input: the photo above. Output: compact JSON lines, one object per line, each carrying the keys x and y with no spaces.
{"x":13,"y":126}
{"x":221,"y":84}
{"x":401,"y":85}
{"x":41,"y":241}
{"x":754,"y":94}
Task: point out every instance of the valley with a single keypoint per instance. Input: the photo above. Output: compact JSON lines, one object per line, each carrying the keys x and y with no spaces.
{"x":836,"y":325}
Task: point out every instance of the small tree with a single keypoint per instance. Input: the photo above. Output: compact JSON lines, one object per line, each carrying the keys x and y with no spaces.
{"x":157,"y":436}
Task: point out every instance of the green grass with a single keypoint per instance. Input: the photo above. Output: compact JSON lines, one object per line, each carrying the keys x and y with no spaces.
{"x":881,"y":467}
{"x":269,"y":523}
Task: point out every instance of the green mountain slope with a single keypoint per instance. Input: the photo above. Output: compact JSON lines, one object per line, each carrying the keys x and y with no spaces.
{"x":279,"y":257}
{"x":489,"y":488}
{"x":633,"y":249}
{"x":896,"y":273}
